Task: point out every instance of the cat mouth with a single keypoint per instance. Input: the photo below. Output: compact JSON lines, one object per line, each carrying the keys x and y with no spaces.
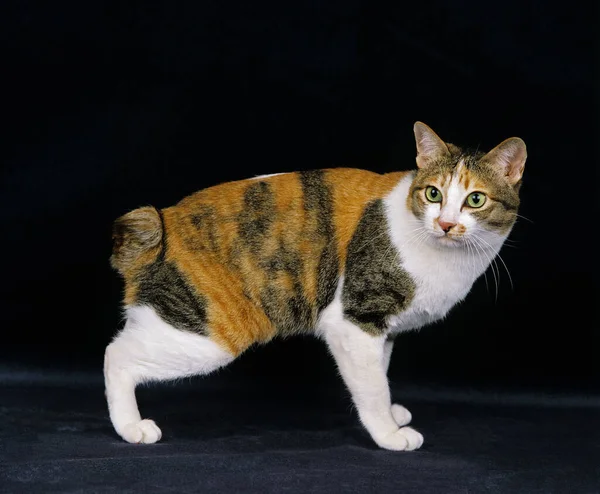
{"x":449,"y":240}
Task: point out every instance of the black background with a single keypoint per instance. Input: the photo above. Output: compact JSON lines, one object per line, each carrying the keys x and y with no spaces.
{"x":112,"y":105}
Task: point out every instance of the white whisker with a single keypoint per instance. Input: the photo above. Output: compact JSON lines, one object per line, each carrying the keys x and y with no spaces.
{"x":421,"y":233}
{"x":471,"y":242}
{"x":504,"y":264}
{"x":371,"y":240}
{"x":472,"y":250}
{"x":476,"y":239}
{"x":522,"y":217}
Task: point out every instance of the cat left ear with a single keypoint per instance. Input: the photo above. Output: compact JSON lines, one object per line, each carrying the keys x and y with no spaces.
{"x":429,"y":146}
{"x":509,"y":157}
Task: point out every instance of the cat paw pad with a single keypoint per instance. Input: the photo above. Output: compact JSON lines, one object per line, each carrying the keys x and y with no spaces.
{"x":404,"y":439}
{"x":144,"y":432}
{"x":401,"y":415}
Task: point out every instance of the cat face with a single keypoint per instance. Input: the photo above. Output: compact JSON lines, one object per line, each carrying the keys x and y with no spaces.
{"x":465,"y":200}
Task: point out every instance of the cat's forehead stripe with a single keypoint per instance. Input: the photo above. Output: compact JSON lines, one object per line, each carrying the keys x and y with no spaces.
{"x":463,"y":173}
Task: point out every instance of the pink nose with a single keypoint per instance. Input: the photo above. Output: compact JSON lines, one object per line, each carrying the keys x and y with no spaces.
{"x":446,"y":225}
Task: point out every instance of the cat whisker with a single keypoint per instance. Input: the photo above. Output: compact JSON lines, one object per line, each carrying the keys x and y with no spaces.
{"x":475,"y":253}
{"x":384,"y":257}
{"x":376,"y":237}
{"x":371,"y":240}
{"x":422,"y":238}
{"x":419,"y":236}
{"x":503,"y":263}
{"x":418,"y":240}
{"x":494,"y":264}
{"x":469,"y":250}
{"x":397,"y":255}
{"x":419,"y":231}
{"x":513,"y":244}
{"x":522,"y":217}
{"x":482,"y":249}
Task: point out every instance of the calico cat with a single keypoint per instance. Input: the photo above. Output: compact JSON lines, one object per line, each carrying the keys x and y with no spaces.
{"x":352,"y":256}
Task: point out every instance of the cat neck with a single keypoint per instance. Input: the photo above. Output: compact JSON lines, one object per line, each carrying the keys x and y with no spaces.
{"x":467,"y":263}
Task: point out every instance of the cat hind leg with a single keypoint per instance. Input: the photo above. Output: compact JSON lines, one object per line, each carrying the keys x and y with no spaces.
{"x":148,"y":349}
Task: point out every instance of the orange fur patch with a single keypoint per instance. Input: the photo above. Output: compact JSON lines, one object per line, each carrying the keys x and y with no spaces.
{"x":220,"y":238}
{"x":352,"y":191}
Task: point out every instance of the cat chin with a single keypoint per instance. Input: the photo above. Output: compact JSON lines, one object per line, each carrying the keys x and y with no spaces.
{"x":449,"y":242}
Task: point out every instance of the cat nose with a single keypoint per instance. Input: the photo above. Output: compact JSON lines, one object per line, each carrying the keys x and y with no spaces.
{"x":446,"y":225}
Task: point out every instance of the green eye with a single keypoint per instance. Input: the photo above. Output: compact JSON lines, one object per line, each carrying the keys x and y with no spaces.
{"x":432,"y":194}
{"x":476,"y":199}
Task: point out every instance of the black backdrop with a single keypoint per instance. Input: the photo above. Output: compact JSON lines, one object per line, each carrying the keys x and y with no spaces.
{"x":111,"y":105}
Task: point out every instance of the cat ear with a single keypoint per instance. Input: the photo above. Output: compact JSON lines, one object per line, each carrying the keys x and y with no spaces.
{"x":509,"y":157}
{"x":429,"y":146}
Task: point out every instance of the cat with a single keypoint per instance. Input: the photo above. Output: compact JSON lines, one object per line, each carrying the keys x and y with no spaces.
{"x":352,"y":256}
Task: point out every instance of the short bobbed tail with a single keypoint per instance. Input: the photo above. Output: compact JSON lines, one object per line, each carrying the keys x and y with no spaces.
{"x":135,"y":234}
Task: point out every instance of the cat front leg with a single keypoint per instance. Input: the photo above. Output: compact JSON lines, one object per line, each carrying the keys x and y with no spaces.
{"x":361,"y":360}
{"x":401,"y":414}
{"x":388,"y":347}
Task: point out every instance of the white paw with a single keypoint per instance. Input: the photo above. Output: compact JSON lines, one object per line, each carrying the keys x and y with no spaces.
{"x":401,"y":415}
{"x":145,"y":432}
{"x":404,"y":439}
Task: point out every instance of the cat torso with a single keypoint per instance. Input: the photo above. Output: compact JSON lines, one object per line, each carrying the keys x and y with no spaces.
{"x":249,"y":260}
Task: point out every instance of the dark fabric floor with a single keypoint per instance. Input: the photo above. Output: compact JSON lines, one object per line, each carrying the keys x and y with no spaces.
{"x":223,"y":436}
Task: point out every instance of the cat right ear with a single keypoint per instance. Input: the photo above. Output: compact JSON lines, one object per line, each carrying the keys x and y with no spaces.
{"x":430,"y":147}
{"x":509,"y":157}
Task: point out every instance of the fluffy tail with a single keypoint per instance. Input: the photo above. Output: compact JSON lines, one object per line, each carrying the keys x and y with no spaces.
{"x":134,"y":234}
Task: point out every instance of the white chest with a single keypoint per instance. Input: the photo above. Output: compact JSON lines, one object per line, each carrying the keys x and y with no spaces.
{"x":440,"y":285}
{"x":442,"y":276}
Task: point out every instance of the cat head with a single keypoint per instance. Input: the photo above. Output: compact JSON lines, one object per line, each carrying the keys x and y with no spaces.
{"x":466,"y":199}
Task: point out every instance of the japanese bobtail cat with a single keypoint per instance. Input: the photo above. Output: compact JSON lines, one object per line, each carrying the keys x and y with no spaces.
{"x":349,"y":255}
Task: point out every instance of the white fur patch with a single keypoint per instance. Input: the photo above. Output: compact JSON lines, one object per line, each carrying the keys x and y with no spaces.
{"x":362,"y":360}
{"x":258,"y":177}
{"x":454,"y":200}
{"x":443,"y":274}
{"x":149,"y":349}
